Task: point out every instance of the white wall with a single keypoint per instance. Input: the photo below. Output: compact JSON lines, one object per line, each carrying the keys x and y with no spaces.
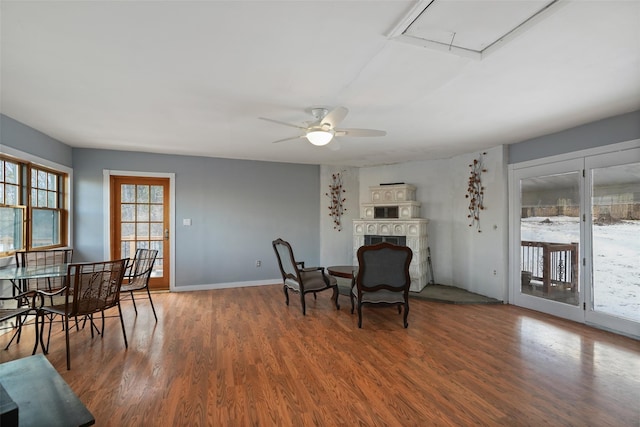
{"x":480,"y":259}
{"x":336,"y":247}
{"x":461,"y":256}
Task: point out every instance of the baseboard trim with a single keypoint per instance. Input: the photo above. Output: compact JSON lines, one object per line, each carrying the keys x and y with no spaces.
{"x":212,"y":286}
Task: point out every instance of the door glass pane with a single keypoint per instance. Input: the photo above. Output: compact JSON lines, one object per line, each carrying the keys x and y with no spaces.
{"x":615,"y":209}
{"x":550,"y":232}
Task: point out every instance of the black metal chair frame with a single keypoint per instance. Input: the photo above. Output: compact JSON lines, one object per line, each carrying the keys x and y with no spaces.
{"x":25,"y":259}
{"x":138,"y":275}
{"x":90,"y":288}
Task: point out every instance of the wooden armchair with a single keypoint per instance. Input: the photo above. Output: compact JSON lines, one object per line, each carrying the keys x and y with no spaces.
{"x":383,"y":278}
{"x":300,"y":279}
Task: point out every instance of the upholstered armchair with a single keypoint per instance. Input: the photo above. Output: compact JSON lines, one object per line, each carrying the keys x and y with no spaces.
{"x":383,"y":278}
{"x":299,"y":279}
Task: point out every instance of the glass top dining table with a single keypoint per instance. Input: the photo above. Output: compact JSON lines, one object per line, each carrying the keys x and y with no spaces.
{"x":33,"y":272}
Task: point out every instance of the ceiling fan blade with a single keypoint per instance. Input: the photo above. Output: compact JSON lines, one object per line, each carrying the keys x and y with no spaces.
{"x":360,"y":132}
{"x":288,"y":139}
{"x":335,"y":116}
{"x":282,"y":123}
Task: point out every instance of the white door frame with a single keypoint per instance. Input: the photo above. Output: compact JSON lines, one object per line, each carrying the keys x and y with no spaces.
{"x":595,"y":157}
{"x":516,"y":297}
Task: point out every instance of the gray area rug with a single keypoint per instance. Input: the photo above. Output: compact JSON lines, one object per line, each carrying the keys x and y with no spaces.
{"x":452,"y":295}
{"x":441,"y":293}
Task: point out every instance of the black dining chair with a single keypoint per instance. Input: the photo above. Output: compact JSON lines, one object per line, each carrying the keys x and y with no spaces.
{"x":90,"y":288}
{"x":138,"y":275}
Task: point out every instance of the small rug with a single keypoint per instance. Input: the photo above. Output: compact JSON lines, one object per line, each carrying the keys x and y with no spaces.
{"x":452,"y":295}
{"x":441,"y":293}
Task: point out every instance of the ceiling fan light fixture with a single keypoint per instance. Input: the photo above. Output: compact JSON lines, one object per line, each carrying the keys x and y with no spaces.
{"x":320,"y":137}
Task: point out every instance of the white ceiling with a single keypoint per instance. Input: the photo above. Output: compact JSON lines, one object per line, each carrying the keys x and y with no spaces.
{"x":192,"y":78}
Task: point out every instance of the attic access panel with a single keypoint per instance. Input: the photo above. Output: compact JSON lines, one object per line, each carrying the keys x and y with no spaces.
{"x":469,"y":28}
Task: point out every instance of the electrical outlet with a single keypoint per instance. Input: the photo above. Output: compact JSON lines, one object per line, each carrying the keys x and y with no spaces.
{"x":495,"y":272}
{"x":258,"y":263}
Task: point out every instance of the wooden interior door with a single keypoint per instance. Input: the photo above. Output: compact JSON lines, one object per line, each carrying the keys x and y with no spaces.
{"x":140,"y":219}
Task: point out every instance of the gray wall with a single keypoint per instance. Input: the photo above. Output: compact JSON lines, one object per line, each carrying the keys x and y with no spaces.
{"x":21,"y":137}
{"x":237,"y":208}
{"x":625,"y":127}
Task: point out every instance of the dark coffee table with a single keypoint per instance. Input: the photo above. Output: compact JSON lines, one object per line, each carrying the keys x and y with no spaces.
{"x":42,"y":395}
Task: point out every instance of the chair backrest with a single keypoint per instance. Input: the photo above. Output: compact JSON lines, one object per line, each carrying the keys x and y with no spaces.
{"x":286,"y":260}
{"x":384,"y":266}
{"x":94,"y":286}
{"x":44,"y":258}
{"x":142,"y":267}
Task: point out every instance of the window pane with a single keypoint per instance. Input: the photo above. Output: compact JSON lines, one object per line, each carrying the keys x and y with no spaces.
{"x":157,"y":245}
{"x":1,"y":193}
{"x":142,"y":195}
{"x":156,"y":230}
{"x":45,"y":228}
{"x":157,"y":195}
{"x":11,"y":195}
{"x":11,"y":229}
{"x":142,"y":244}
{"x":1,"y":170}
{"x":127,"y":231}
{"x":42,"y":179}
{"x":125,"y":249}
{"x":142,"y":230}
{"x":42,"y":199}
{"x":51,"y":202}
{"x":156,"y":213}
{"x":127,"y":212}
{"x":11,"y":173}
{"x":52,"y":182}
{"x":143,"y":212}
{"x":128,"y":193}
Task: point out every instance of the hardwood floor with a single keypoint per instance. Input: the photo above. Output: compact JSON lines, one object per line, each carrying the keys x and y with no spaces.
{"x":239,"y":357}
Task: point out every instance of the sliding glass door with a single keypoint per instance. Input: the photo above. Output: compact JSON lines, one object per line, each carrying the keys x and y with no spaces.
{"x":614,"y":182}
{"x":575,"y":239}
{"x":548,"y":245}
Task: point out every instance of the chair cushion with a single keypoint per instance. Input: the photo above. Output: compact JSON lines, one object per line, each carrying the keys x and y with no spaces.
{"x":312,"y":281}
{"x":381,"y":296}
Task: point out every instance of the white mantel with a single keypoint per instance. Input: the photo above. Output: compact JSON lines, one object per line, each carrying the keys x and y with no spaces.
{"x":408,"y":224}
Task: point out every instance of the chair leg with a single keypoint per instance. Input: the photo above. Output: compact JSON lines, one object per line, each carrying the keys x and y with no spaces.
{"x":359,"y":315}
{"x":18,"y":332}
{"x":352,"y":301}
{"x":152,"y":307}
{"x":286,"y":293}
{"x":336,"y":293}
{"x":133,"y":300}
{"x":304,"y":306}
{"x":124,"y":333}
{"x":66,"y":336}
{"x":38,"y":335}
{"x":406,"y":313}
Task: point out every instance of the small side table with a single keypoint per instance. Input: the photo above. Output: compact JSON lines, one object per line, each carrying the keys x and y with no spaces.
{"x":344,"y":271}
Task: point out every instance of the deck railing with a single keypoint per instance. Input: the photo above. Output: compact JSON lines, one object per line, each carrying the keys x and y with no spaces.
{"x":553,"y":264}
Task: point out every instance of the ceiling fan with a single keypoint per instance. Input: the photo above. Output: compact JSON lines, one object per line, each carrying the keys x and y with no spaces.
{"x":323,"y":129}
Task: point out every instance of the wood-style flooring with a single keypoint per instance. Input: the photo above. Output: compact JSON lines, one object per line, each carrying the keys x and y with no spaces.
{"x":241,"y":357}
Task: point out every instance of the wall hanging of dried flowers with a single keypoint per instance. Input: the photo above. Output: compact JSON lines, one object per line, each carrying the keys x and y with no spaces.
{"x":336,"y":195}
{"x":475,"y":191}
